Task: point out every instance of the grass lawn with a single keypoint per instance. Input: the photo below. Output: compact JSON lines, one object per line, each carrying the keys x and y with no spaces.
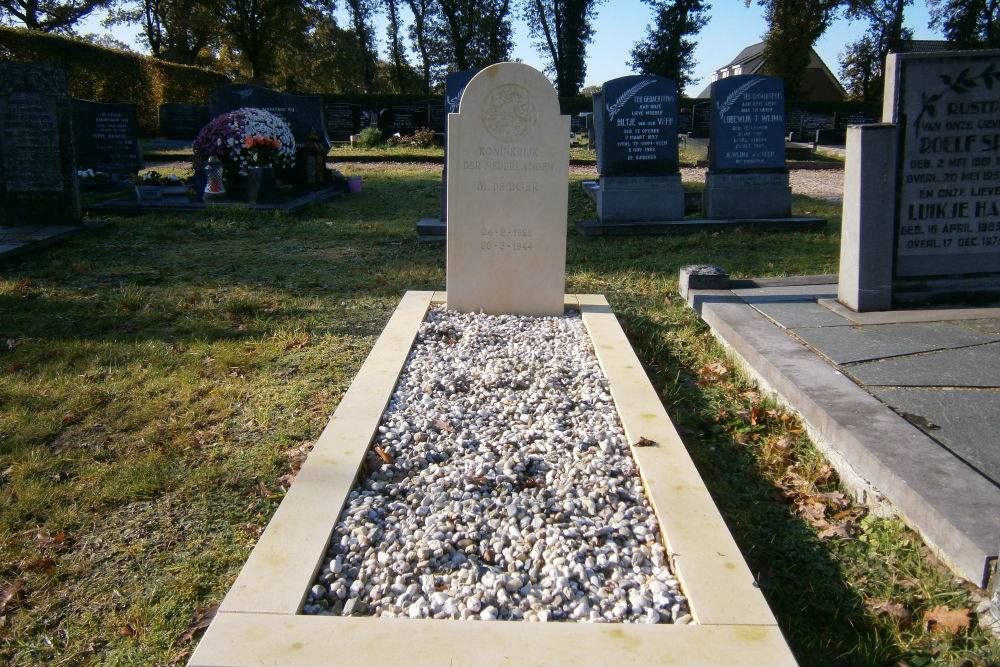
{"x":161,"y":380}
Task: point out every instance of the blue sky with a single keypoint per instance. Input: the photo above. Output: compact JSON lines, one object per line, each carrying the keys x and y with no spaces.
{"x":621,"y":23}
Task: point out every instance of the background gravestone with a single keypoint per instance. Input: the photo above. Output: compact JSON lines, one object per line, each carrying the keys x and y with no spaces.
{"x":454,"y":86}
{"x":921,"y":220}
{"x":38,"y":173}
{"x":304,"y":113}
{"x":508,"y":159}
{"x":183,"y":122}
{"x":342,"y":120}
{"x":106,"y":137}
{"x":747,"y":177}
{"x":402,"y":119}
{"x":636,"y":140}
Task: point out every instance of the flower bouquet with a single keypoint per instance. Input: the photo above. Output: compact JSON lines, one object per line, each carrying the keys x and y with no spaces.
{"x":241,"y":138}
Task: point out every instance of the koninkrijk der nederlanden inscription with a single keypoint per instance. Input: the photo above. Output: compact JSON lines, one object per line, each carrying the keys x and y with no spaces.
{"x":508,"y":114}
{"x":951,"y":164}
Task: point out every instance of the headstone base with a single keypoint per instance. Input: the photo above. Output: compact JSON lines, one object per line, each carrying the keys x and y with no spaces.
{"x":747,"y":195}
{"x":702,"y":276}
{"x":432,"y":229}
{"x":639,"y":198}
{"x":691,"y":225}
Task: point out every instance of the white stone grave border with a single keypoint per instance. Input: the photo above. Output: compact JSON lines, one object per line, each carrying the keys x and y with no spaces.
{"x":259,"y":621}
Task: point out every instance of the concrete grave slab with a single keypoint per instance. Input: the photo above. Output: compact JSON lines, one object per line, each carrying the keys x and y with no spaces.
{"x":977,"y":366}
{"x":798,"y":314}
{"x":508,"y":194}
{"x":888,"y":340}
{"x":259,"y":622}
{"x":777,"y":293}
{"x":964,"y":421}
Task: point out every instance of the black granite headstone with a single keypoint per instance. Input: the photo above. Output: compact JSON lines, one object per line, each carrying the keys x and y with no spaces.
{"x":748,"y":123}
{"x":402,"y":119}
{"x":304,"y":113}
{"x":638,"y":135}
{"x":106,"y":137}
{"x":342,"y":120}
{"x":179,"y":121}
{"x":454,"y":86}
{"x":38,"y":183}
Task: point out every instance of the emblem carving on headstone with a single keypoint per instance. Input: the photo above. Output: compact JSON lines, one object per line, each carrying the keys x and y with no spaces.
{"x":509,"y":112}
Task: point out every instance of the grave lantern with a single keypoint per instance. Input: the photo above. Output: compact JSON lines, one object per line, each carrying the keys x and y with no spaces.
{"x":313,"y":160}
{"x":214,"y":189}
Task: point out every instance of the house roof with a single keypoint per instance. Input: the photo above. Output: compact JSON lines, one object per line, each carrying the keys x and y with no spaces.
{"x":751,"y":61}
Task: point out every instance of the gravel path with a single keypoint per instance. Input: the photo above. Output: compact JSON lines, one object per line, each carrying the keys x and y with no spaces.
{"x":503,"y":488}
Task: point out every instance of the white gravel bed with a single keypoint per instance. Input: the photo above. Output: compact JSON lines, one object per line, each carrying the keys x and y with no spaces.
{"x":505,"y":488}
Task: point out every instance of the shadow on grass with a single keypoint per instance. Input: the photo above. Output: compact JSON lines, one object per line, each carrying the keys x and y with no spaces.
{"x":823,"y":619}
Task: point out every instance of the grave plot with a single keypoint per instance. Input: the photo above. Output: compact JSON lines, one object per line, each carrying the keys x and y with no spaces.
{"x":519,"y":473}
{"x":260,"y":622}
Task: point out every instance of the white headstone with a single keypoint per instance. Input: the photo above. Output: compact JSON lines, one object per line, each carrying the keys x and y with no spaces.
{"x":508,"y":180}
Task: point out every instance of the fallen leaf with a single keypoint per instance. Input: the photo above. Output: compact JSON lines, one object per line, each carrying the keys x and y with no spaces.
{"x":845,"y":529}
{"x":202,"y":619}
{"x":127,"y":630}
{"x":252,"y":530}
{"x":644,"y":442}
{"x":285,"y":480}
{"x":16,"y":368}
{"x":813,"y":510}
{"x":943,"y":619}
{"x":384,"y":455}
{"x":8,"y":593}
{"x":894,"y":610}
{"x":442,"y":425}
{"x":782,"y":443}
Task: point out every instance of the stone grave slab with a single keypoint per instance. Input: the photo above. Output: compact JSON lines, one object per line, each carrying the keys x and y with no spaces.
{"x":508,"y":175}
{"x":304,"y":113}
{"x":794,"y":315}
{"x":774,"y":294}
{"x":961,"y":420}
{"x":37,"y":164}
{"x":977,"y":366}
{"x":106,"y":137}
{"x":260,"y":620}
{"x":854,"y":344}
{"x":183,"y":122}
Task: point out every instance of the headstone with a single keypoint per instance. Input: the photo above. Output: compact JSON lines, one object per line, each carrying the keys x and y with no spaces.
{"x":342,"y":120}
{"x":183,"y":122}
{"x":38,"y":172}
{"x":402,"y":119}
{"x":454,"y":86}
{"x":304,"y":113}
{"x":508,"y":170}
{"x":106,"y":137}
{"x":747,"y":177}
{"x":939,"y":228}
{"x":636,"y":140}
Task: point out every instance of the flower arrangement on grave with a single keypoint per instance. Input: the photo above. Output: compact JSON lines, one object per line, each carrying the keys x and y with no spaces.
{"x":240,"y":137}
{"x":265,"y":149}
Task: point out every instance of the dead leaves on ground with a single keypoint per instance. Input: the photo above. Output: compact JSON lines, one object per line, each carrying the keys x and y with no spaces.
{"x":831,"y":513}
{"x":943,"y":619}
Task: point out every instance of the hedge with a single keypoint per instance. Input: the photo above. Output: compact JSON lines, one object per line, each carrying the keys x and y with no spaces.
{"x":106,"y":75}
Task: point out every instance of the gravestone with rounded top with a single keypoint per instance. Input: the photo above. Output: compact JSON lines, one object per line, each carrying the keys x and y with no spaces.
{"x":38,"y":183}
{"x":747,"y":176}
{"x":508,"y":173}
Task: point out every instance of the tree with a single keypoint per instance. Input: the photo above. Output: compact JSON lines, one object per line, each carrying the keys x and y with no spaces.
{"x":564,"y":29}
{"x":793,"y":27}
{"x":397,"y":54}
{"x":667,"y":50}
{"x":970,"y":24}
{"x":478,"y":31}
{"x":179,"y":31}
{"x":863,"y":61}
{"x":362,"y":13}
{"x":49,"y":15}
{"x":256,"y":29}
{"x":427,"y":34}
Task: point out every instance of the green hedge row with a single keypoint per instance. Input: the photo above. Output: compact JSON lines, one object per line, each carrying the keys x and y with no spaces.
{"x":106,"y":75}
{"x":568,"y":105}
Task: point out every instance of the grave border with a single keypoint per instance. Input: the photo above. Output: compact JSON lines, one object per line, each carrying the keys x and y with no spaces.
{"x":259,"y":623}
